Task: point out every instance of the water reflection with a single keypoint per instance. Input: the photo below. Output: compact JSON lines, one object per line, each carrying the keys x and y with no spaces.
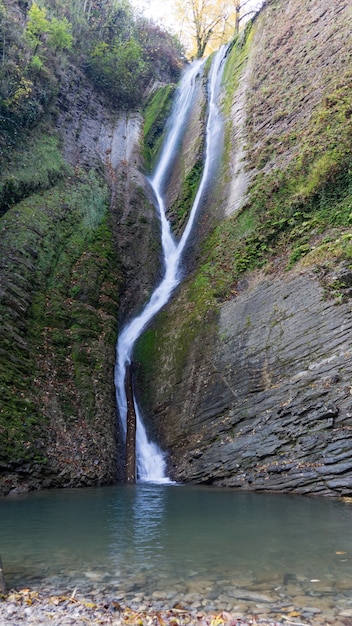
{"x":136,"y":526}
{"x":148,"y":519}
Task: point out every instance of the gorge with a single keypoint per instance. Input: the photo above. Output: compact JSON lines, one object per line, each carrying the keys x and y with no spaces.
{"x":150,"y":461}
{"x":218,"y":262}
{"x":244,"y":378}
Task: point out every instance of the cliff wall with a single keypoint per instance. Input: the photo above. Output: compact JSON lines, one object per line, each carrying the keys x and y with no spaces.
{"x":245,"y":378}
{"x":66,"y":258}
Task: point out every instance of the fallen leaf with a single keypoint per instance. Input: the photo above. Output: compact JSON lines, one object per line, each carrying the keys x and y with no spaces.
{"x":217,"y":621}
{"x":89,"y":605}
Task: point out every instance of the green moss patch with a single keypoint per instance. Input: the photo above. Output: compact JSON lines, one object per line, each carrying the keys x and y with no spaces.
{"x":156,"y":113}
{"x":59,"y":307}
{"x":36,"y":166}
{"x":181,"y":208}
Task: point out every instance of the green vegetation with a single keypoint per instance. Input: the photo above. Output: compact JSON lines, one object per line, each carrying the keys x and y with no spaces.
{"x":36,"y":166}
{"x":56,"y":32}
{"x":125,"y":54}
{"x":289,"y":210}
{"x":156,"y":112}
{"x":183,"y":205}
{"x":74,"y":306}
{"x":120,"y":53}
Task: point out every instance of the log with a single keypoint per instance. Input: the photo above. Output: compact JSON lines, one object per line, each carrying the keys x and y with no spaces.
{"x":131,"y":429}
{"x":2,"y":580}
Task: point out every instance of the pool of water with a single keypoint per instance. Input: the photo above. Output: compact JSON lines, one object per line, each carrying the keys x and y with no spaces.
{"x":154,"y":541}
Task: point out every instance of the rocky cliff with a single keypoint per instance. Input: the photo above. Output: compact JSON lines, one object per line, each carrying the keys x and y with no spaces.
{"x":245,"y":378}
{"x":66,"y":258}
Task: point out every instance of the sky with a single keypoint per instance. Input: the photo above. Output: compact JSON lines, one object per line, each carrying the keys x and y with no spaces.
{"x":158,"y":10}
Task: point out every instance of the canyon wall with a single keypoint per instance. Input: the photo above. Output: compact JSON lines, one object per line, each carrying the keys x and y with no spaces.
{"x":245,"y":377}
{"x":66,"y":258}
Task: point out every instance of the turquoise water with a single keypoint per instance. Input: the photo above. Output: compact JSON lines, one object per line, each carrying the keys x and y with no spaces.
{"x":163,"y":536}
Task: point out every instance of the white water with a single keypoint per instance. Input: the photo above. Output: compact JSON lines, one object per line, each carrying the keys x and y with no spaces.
{"x":150,"y":459}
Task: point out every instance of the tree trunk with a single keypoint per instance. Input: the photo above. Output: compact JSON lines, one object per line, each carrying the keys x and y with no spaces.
{"x":237,"y":20}
{"x":131,"y":429}
{"x":2,"y":580}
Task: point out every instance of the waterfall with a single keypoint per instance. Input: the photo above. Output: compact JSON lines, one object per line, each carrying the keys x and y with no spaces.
{"x":150,"y":459}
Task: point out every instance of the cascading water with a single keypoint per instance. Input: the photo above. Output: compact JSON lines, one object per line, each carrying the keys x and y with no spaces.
{"x":150,"y":459}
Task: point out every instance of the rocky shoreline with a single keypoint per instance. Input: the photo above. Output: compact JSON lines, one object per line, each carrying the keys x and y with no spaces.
{"x":30,"y":606}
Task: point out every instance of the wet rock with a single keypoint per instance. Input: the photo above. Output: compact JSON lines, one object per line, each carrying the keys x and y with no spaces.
{"x":245,"y":594}
{"x":310,"y":610}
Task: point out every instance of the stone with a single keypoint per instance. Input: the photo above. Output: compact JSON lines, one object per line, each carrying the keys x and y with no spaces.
{"x":245,"y":594}
{"x":345,"y":613}
{"x":311,"y":610}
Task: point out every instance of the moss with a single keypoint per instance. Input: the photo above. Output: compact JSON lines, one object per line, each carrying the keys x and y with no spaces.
{"x":161,"y":353}
{"x":237,"y":56}
{"x":287,"y":210}
{"x":156,"y":113}
{"x":36,"y":166}
{"x":180,"y":210}
{"x":62,"y":270}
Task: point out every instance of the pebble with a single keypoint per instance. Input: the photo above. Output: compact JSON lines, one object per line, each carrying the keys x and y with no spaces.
{"x":244,"y":594}
{"x":345,"y":613}
{"x":310,"y":609}
{"x":95,"y":599}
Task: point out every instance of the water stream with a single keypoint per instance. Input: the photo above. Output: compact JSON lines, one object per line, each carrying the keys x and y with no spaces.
{"x":150,"y":459}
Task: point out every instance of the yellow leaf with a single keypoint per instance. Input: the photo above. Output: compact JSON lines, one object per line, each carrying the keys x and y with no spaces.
{"x":89,"y":605}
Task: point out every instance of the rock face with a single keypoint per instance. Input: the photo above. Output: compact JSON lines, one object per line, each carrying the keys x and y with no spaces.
{"x":67,"y":255}
{"x":269,"y":407}
{"x":254,"y":392}
{"x":111,"y":142}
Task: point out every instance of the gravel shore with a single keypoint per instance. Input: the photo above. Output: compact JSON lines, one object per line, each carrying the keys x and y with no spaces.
{"x":31,"y":607}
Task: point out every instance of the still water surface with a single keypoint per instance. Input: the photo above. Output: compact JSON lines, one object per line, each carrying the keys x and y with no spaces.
{"x":165,"y":535}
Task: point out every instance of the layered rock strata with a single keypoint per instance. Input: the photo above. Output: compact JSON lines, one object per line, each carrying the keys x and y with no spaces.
{"x":270,"y":406}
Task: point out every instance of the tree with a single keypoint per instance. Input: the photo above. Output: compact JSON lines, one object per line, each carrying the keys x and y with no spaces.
{"x":38,"y":25}
{"x":60,"y":37}
{"x":211,"y":22}
{"x":56,"y":31}
{"x":239,"y":16}
{"x":204,"y":19}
